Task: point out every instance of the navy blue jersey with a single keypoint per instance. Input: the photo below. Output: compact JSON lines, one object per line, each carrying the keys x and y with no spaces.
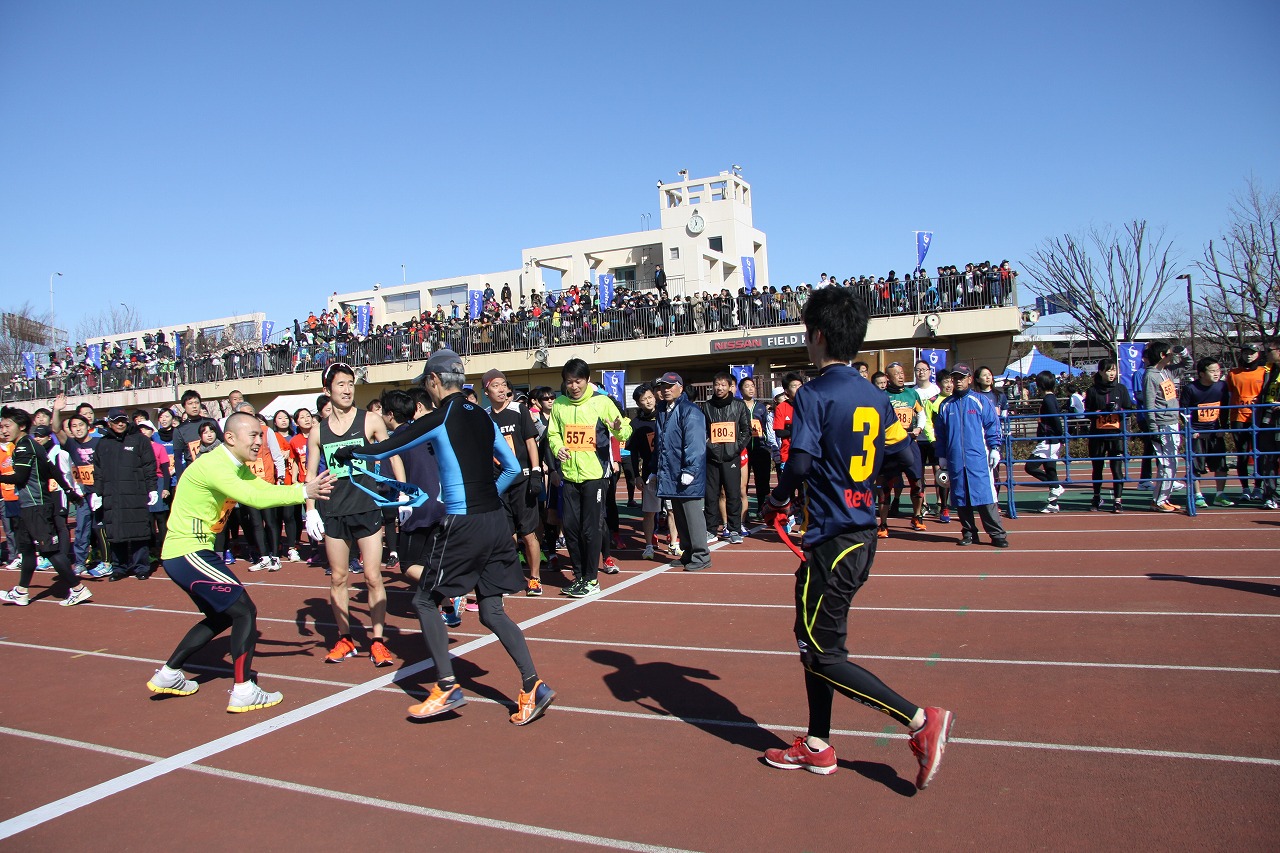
{"x":841,"y":420}
{"x":1206,"y":401}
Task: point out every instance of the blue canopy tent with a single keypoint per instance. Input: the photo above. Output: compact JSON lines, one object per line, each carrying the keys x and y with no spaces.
{"x":1034,"y":362}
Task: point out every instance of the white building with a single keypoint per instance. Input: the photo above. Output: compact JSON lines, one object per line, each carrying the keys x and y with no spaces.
{"x":705,"y":231}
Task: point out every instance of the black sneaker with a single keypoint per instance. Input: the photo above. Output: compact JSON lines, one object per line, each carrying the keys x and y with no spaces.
{"x":1096,"y":506}
{"x":1000,"y":543}
{"x":1117,"y":506}
{"x":965,"y":540}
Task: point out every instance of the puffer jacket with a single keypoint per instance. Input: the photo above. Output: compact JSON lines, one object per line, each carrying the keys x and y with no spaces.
{"x":681,"y":448}
{"x":124,"y":472}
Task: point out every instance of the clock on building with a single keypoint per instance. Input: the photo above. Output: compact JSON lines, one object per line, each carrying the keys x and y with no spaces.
{"x":697,"y":224}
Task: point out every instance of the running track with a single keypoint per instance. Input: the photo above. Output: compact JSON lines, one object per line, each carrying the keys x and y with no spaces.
{"x":1114,"y":679}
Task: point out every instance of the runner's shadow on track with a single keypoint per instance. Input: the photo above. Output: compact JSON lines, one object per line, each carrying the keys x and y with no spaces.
{"x":680,"y":691}
{"x":917,"y":536}
{"x":1222,"y":583}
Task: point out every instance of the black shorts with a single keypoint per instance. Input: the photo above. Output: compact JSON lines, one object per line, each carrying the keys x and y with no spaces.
{"x":204,"y":577}
{"x":903,"y":459}
{"x":473,"y":552}
{"x":1109,"y":448}
{"x":928,"y":454}
{"x":1209,"y":453}
{"x":414,"y":545}
{"x":353,"y":527}
{"x":35,"y":529}
{"x":826,"y":582}
{"x":522,"y":508}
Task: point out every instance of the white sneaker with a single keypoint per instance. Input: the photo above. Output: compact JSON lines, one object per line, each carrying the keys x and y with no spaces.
{"x":1179,"y":486}
{"x":1051,"y":508}
{"x":262,"y":565}
{"x":1144,"y":485}
{"x":16,"y":565}
{"x":12,"y":596}
{"x":1270,"y":504}
{"x":176,"y":684}
{"x":76,"y":596}
{"x":648,"y":553}
{"x":275,"y":565}
{"x":675,"y":550}
{"x":1056,"y":491}
{"x":294,"y":556}
{"x":252,"y":699}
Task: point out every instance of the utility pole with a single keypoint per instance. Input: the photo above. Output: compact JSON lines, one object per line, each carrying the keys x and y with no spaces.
{"x":1191,"y":315}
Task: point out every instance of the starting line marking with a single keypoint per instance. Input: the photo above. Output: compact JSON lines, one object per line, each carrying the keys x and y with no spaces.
{"x":962,"y":609}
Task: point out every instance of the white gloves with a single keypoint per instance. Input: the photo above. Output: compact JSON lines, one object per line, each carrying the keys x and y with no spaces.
{"x":686,"y":479}
{"x":993,"y":457}
{"x":404,"y":513}
{"x":152,"y":497}
{"x":315,"y":525}
{"x":95,"y":502}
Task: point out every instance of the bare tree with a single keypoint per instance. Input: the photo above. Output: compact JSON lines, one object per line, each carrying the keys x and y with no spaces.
{"x":24,"y":330}
{"x":1110,"y":283}
{"x":116,"y":320}
{"x":1240,"y":295}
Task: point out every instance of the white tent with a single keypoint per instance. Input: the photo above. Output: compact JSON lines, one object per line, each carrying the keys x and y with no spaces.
{"x":289,"y":403}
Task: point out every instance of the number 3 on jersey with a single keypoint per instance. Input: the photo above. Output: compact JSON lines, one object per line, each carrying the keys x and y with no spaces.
{"x":866,"y":420}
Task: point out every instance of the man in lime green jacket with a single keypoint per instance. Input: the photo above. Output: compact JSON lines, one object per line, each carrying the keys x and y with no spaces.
{"x":578,"y":436}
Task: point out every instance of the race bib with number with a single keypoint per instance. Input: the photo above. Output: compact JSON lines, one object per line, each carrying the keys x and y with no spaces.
{"x":83,"y":474}
{"x":511,"y":442}
{"x":192,"y":447}
{"x":651,"y":436}
{"x":757,"y":429}
{"x":1207,"y":413}
{"x":724,"y":432}
{"x":579,"y":437}
{"x":259,"y":468}
{"x":905,"y":417}
{"x":1167,"y":389}
{"x":1109,"y":421}
{"x":221,"y":523}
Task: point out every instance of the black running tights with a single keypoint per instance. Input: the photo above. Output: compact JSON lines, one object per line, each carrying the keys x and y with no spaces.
{"x":241,"y":618}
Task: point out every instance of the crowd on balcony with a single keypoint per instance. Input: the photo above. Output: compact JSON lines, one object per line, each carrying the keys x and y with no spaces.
{"x":506,"y":322}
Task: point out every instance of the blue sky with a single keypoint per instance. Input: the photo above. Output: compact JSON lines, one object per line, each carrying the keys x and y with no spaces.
{"x":200,"y":159}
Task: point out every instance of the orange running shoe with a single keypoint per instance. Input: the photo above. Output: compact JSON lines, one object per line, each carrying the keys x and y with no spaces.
{"x":438,"y":702}
{"x":530,"y":706}
{"x":342,"y":650}
{"x":883,"y":531}
{"x":917,"y":523}
{"x":379,"y":654}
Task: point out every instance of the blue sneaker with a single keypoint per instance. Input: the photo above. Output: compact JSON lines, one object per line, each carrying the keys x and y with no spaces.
{"x":454,"y":619}
{"x":102,"y":570}
{"x":228,"y":558}
{"x":355,"y":567}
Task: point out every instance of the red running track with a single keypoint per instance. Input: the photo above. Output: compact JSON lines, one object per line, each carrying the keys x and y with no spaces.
{"x":1114,"y":680}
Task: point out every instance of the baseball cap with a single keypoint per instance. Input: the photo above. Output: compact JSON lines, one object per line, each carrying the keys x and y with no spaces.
{"x":961,"y":369}
{"x":441,"y":361}
{"x":1249,"y":348}
{"x":117,"y":415}
{"x":669,"y":378}
{"x":41,"y":431}
{"x":147,"y":425}
{"x":491,"y":375}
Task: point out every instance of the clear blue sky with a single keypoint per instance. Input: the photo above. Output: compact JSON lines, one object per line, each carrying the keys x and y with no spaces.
{"x":202,"y":159}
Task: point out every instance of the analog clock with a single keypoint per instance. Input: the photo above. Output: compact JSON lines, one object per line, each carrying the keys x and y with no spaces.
{"x":697,"y":224}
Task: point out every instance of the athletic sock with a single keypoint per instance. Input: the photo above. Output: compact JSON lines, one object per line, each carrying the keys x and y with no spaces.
{"x":447,"y":684}
{"x":243,"y":688}
{"x":169,"y":672}
{"x":529,"y":683}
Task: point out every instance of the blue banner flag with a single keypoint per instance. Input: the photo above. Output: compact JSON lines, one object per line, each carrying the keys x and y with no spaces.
{"x":606,"y":290}
{"x":1131,"y":365}
{"x":923,"y":239}
{"x":362,"y":320}
{"x":615,"y":385}
{"x":29,"y":364}
{"x":937,"y":359}
{"x":476,"y":298}
{"x":749,"y":273}
{"x":93,"y":352}
{"x":267,"y":327}
{"x":741,"y":371}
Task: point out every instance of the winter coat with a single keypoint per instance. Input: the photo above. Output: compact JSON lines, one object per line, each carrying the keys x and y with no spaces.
{"x":966,"y":427}
{"x":730,"y":410}
{"x":124,"y":472}
{"x":681,"y":448}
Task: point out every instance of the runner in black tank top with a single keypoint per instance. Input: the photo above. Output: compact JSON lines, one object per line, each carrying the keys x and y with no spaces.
{"x":349,"y":514}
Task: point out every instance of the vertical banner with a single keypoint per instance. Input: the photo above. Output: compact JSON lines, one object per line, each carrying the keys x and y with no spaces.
{"x":923,"y":239}
{"x":605,"y":292}
{"x":476,"y":302}
{"x":937,"y":359}
{"x":740,"y":372}
{"x":615,"y":385}
{"x":29,"y":364}
{"x":749,"y":273}
{"x":93,"y":353}
{"x":1130,"y":363}
{"x":268,"y":327}
{"x":362,"y":320}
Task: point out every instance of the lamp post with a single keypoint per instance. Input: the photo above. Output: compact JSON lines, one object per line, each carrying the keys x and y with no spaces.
{"x":51,"y":316}
{"x":1191,"y":313}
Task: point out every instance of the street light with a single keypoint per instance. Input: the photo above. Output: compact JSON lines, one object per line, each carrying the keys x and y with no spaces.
{"x":1191,"y":315}
{"x":51,"y":275}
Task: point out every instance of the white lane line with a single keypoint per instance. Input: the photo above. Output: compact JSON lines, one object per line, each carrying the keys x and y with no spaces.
{"x":341,"y":796}
{"x":956,"y":610}
{"x":93,"y":794}
{"x":985,"y":550}
{"x":925,"y":659}
{"x":989,"y":576}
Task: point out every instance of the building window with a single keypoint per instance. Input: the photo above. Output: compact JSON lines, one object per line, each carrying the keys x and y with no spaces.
{"x":403,"y":302}
{"x":625,"y":277}
{"x":716,"y":244}
{"x":674,"y":254}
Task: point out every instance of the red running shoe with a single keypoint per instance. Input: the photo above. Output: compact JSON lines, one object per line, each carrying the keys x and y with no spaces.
{"x":929,"y":742}
{"x":799,"y":755}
